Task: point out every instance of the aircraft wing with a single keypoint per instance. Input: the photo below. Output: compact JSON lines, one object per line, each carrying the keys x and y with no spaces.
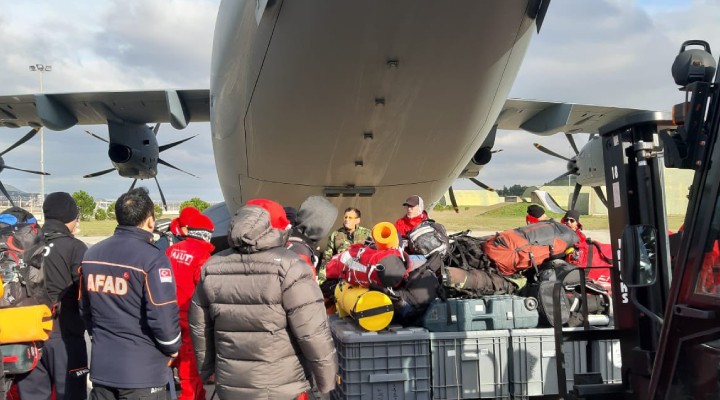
{"x":65,"y":110}
{"x":547,"y":117}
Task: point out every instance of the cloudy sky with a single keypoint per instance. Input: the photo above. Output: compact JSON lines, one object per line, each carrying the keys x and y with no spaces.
{"x":605,"y":52}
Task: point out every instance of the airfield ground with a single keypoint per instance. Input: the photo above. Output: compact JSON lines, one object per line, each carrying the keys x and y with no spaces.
{"x":480,"y":220}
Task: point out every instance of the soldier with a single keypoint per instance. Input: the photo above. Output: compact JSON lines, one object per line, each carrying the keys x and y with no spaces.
{"x":350,"y":233}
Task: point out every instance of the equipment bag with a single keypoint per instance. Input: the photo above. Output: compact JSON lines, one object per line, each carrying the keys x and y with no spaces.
{"x":363,"y":266}
{"x":519,"y":249}
{"x":467,"y":251}
{"x":428,"y":238}
{"x":571,"y":299}
{"x":20,"y":358}
{"x":22,"y":249}
{"x":477,"y":282}
{"x":25,"y":324}
{"x":420,"y":288}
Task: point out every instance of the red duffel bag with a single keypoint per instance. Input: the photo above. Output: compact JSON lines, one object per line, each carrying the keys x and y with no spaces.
{"x":362,"y":265}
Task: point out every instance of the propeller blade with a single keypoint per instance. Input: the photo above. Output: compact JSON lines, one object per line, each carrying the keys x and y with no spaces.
{"x":570,"y":139}
{"x":5,"y":192}
{"x":26,"y":170}
{"x":133,"y":185}
{"x":162,"y":196}
{"x":570,"y":172}
{"x":97,"y":137}
{"x":167,"y":164}
{"x":482,"y":185}
{"x":550,"y":152}
{"x":156,"y":128}
{"x":169,"y":145}
{"x":601,"y":195}
{"x":575,"y":195}
{"x":94,"y":174}
{"x":452,"y":199}
{"x":22,"y":140}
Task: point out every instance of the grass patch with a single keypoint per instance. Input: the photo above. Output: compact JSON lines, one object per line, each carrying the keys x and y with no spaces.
{"x":497,"y":217}
{"x":504,"y":216}
{"x":97,"y":228}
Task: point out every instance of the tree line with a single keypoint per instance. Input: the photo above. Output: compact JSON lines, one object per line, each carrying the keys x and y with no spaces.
{"x":90,"y":210}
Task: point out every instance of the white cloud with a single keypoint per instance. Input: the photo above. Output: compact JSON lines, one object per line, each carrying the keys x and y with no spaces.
{"x":611,"y":52}
{"x":102,"y":46}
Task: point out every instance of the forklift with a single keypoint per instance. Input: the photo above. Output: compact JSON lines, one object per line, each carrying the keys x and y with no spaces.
{"x":665,"y":285}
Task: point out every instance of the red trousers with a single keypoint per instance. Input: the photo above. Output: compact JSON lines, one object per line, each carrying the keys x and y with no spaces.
{"x":191,"y":386}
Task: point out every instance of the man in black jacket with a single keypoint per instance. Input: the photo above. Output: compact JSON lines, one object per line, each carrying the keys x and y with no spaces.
{"x":64,"y":364}
{"x":130,"y":307}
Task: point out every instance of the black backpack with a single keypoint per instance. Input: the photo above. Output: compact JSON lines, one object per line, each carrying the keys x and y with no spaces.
{"x":598,"y":300}
{"x":22,"y":250}
{"x":418,"y":290}
{"x":428,"y":238}
{"x":466,"y":251}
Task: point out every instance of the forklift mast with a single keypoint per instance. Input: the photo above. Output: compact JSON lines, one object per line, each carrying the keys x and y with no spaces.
{"x":653,"y":282}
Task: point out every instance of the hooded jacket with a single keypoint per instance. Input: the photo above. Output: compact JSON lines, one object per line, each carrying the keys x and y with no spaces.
{"x":257,"y":317}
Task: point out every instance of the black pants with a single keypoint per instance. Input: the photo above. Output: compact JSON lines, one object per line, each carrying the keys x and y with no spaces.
{"x":63,"y":366}
{"x":100,"y":392}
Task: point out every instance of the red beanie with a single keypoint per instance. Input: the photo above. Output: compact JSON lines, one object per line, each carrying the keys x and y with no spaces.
{"x":278,"y":219}
{"x":186,"y":214}
{"x":200,"y":222}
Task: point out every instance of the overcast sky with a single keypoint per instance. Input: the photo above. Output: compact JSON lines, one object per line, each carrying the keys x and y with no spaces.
{"x":605,"y":52}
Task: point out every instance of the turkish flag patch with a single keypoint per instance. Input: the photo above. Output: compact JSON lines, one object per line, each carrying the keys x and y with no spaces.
{"x":165,"y":275}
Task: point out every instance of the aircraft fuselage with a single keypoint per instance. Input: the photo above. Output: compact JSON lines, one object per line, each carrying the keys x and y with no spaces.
{"x":363,"y":102}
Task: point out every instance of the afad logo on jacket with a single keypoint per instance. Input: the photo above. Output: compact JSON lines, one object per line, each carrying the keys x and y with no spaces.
{"x":101,"y":283}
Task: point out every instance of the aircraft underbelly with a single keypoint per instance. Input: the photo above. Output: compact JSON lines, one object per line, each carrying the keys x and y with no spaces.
{"x":394,"y":96}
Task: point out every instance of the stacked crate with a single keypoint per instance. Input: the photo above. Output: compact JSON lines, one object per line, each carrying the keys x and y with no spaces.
{"x":534,"y":362}
{"x":471,"y":349}
{"x":390,"y":364}
{"x":470,"y":365}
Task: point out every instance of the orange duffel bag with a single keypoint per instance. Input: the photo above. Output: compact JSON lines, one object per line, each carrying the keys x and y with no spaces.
{"x":518,"y":249}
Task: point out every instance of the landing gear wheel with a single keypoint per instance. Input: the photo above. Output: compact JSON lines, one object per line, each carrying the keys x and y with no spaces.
{"x":531,"y":303}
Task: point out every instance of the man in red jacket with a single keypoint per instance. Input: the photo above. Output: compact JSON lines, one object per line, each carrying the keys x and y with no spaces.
{"x":414,"y":215}
{"x":187,"y":258}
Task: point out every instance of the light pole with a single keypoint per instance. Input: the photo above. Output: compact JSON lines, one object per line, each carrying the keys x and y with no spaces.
{"x":41,"y":68}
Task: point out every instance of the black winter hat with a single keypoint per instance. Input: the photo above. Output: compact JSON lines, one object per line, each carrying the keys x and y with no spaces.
{"x":574,"y":214}
{"x":535,"y":210}
{"x":60,"y":206}
{"x":393,"y":271}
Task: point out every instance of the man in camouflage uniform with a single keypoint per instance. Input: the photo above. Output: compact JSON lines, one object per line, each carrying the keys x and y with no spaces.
{"x":350,"y":233}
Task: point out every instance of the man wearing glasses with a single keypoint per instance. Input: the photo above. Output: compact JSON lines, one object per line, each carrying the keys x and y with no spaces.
{"x":63,"y":366}
{"x":572,"y":221}
{"x":350,"y":233}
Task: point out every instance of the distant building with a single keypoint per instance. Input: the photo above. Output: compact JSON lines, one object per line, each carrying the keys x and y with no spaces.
{"x":472,"y":197}
{"x":676,"y":190}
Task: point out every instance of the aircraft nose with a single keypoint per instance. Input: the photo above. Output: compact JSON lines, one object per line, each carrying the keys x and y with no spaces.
{"x":119,"y":153}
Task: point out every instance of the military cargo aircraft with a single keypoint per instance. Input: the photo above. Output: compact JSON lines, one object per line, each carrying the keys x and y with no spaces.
{"x":365,"y":103}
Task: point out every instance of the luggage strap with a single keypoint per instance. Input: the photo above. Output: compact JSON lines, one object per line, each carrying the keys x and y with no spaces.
{"x":557,"y":332}
{"x":373,"y":311}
